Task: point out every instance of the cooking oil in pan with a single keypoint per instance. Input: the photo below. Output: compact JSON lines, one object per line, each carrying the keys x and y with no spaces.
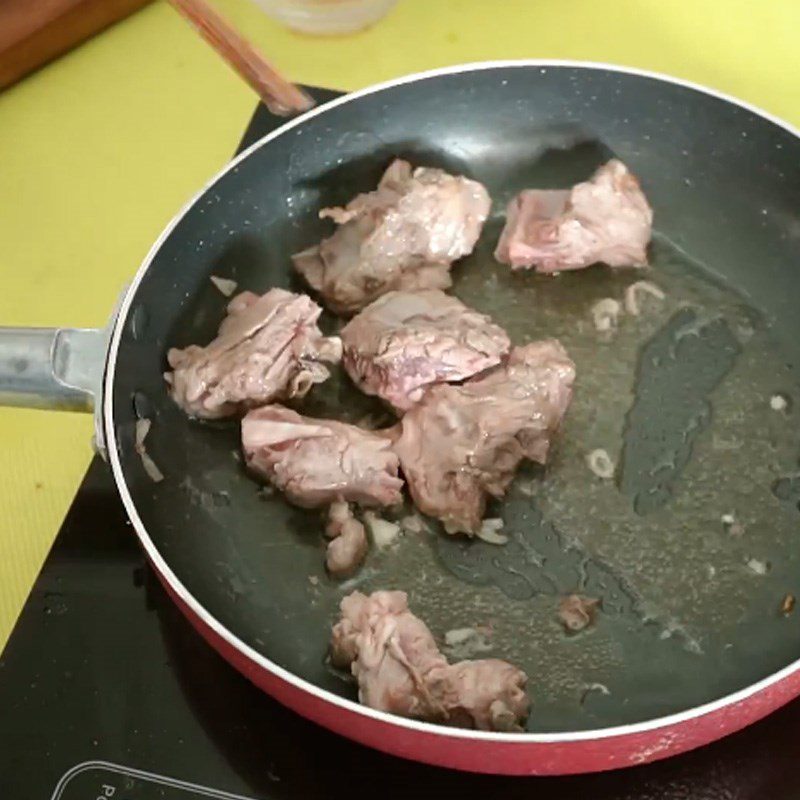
{"x":691,"y":540}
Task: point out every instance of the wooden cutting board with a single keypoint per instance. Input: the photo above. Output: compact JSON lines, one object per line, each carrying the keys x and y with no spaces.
{"x":33,"y":32}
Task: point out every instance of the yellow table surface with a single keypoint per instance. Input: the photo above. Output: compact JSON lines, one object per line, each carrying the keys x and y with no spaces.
{"x":99,"y":149}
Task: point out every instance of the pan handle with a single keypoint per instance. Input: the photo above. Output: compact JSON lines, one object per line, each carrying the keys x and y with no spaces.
{"x":54,"y":368}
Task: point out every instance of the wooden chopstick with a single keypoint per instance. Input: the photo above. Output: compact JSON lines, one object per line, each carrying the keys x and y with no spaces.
{"x":279,"y":95}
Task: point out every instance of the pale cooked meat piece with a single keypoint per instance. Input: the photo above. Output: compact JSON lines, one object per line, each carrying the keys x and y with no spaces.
{"x":348,"y":546}
{"x":406,"y":341}
{"x":399,"y":669}
{"x":389,"y":651}
{"x":316,"y":462}
{"x":605,"y":219}
{"x":462,"y":443}
{"x":487,"y":694}
{"x":404,"y":235}
{"x":268,"y":348}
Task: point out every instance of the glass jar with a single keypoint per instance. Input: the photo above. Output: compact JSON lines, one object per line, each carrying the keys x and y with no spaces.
{"x":326,"y":16}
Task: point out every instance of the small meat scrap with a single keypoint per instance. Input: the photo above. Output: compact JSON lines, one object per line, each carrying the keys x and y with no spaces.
{"x":268,"y":348}
{"x":399,"y":669}
{"x":788,"y":604}
{"x":577,"y":612}
{"x":488,"y":694}
{"x":348,"y":546}
{"x":316,"y":462}
{"x":406,"y":341}
{"x":605,"y":219}
{"x":732,"y":525}
{"x":404,"y":235}
{"x":462,"y":443}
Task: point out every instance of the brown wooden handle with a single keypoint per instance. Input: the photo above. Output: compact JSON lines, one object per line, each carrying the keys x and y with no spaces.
{"x":279,"y":95}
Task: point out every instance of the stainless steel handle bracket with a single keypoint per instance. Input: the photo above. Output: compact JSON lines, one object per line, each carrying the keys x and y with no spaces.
{"x":57,"y":368}
{"x":54,"y":368}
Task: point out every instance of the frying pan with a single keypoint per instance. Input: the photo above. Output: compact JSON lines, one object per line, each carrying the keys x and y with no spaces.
{"x":691,"y":547}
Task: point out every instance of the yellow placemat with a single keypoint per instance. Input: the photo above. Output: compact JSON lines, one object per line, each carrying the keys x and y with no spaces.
{"x":98,"y":150}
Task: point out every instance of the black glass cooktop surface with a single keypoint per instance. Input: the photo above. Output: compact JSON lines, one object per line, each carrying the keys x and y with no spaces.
{"x":106,"y":691}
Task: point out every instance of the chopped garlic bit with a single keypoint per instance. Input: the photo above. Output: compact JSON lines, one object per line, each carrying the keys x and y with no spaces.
{"x":759,"y":567}
{"x":605,"y":313}
{"x":413,"y":523}
{"x":142,"y":429}
{"x":528,"y":488}
{"x":383,"y":532}
{"x":594,"y":687}
{"x":459,"y":636}
{"x":778,"y":402}
{"x":601,"y":464}
{"x":463,"y":643}
{"x":633,"y":292}
{"x":225,"y":285}
{"x":490,"y":531}
{"x":150,"y":466}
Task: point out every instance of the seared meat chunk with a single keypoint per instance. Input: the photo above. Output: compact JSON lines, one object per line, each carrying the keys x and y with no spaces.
{"x":460,"y":443}
{"x":605,"y":219}
{"x":399,"y":669}
{"x":316,"y":462}
{"x":268,"y":348}
{"x":348,"y":545}
{"x":404,"y":235}
{"x":406,"y":341}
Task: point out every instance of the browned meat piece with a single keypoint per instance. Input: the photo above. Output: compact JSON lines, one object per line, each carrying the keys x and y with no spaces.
{"x":460,"y":443}
{"x":268,"y":348}
{"x":348,"y":546}
{"x":577,"y":612}
{"x":404,"y":235}
{"x":406,"y":341}
{"x":316,"y":462}
{"x":606,"y":219}
{"x":399,"y":669}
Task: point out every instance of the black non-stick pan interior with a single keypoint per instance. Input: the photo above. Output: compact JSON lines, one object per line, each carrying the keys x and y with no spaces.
{"x":692,"y":546}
